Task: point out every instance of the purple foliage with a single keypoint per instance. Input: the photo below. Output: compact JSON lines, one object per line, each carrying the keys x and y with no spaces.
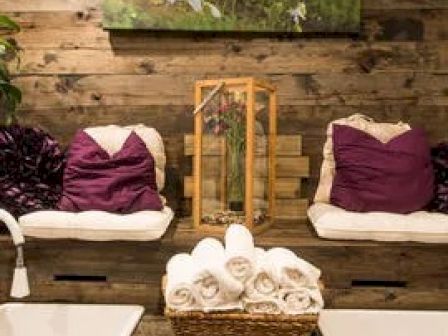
{"x":440,"y":162}
{"x":31,"y":166}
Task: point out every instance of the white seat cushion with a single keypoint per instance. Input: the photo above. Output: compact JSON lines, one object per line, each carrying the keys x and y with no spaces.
{"x":97,"y":225}
{"x":331,"y":222}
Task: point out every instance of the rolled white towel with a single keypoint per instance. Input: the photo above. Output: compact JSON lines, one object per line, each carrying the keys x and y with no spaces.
{"x":216,"y":290}
{"x":262,"y":306}
{"x":263,"y":284}
{"x":295,"y":301}
{"x":179,"y":293}
{"x":240,"y":252}
{"x":292,"y":271}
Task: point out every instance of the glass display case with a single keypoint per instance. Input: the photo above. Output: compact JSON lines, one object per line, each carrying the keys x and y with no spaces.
{"x":234,"y":154}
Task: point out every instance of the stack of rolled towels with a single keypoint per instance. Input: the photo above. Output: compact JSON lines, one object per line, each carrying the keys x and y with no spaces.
{"x":240,"y":276}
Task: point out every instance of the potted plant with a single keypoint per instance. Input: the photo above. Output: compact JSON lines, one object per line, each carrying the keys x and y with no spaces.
{"x":10,"y":95}
{"x":31,"y":161}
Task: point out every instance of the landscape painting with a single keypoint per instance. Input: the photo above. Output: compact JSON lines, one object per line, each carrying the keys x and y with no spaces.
{"x":295,"y":16}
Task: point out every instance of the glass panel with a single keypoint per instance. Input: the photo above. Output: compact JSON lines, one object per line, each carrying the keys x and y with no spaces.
{"x":261,"y":164}
{"x":223,"y":160}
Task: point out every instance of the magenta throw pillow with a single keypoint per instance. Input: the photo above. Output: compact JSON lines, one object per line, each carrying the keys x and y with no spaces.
{"x":393,"y":177}
{"x":122,"y":183}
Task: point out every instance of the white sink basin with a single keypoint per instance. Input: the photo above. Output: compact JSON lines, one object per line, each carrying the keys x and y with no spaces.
{"x":383,"y":323}
{"x":17,"y":319}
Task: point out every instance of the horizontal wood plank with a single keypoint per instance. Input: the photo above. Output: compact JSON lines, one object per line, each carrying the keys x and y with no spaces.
{"x":291,"y":208}
{"x":387,"y":298}
{"x":259,"y":56}
{"x":320,"y":89}
{"x":287,"y":145}
{"x":285,"y":187}
{"x":286,"y":166}
{"x":285,"y":209}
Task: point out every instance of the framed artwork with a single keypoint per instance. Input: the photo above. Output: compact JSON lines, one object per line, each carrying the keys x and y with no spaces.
{"x":292,"y":16}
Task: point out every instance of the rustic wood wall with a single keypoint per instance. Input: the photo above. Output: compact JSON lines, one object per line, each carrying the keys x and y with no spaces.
{"x":75,"y":74}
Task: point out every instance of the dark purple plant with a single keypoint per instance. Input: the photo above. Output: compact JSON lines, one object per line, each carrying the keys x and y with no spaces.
{"x":31,"y":166}
{"x":440,"y":163}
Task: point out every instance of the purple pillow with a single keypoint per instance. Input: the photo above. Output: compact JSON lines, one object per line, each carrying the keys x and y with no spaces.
{"x":122,"y":183}
{"x":394,"y":177}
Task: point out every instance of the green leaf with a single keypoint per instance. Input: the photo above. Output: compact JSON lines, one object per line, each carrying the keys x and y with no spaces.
{"x":9,"y":51}
{"x":11,"y":98}
{"x":14,"y":93}
{"x":4,"y":72}
{"x":7,"y":23}
{"x":8,"y":46}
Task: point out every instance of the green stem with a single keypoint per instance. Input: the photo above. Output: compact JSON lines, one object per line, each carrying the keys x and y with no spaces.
{"x":224,"y":6}
{"x":236,"y":181}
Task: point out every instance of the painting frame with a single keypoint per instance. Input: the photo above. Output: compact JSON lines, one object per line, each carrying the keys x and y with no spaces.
{"x":254,"y":16}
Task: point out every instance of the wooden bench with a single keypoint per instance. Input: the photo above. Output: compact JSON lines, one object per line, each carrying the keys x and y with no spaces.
{"x":357,"y":274}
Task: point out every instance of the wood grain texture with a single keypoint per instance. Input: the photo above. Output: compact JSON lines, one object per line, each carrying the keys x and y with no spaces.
{"x":328,"y":89}
{"x":287,"y":166}
{"x":286,"y":187}
{"x":133,"y":270}
{"x":75,"y":75}
{"x":260,"y":57}
{"x":290,"y":169}
{"x":415,"y":24}
{"x":286,"y":145}
{"x":88,"y":76}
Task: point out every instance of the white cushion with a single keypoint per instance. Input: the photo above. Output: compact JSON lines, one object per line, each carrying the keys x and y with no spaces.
{"x":97,"y":225}
{"x":335,"y":223}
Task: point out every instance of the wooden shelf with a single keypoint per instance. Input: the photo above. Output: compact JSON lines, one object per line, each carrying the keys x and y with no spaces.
{"x":293,"y":233}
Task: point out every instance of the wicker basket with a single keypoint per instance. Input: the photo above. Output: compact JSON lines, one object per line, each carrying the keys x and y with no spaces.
{"x":240,"y":324}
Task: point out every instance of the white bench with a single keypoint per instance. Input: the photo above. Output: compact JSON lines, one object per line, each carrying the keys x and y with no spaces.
{"x":97,"y":225}
{"x":331,"y":222}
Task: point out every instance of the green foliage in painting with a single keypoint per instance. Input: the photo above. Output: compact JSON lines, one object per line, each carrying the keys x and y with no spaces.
{"x":125,"y":14}
{"x":331,"y":15}
{"x":234,"y":15}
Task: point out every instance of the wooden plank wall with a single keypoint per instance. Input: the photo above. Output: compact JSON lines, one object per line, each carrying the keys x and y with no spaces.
{"x":75,"y":74}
